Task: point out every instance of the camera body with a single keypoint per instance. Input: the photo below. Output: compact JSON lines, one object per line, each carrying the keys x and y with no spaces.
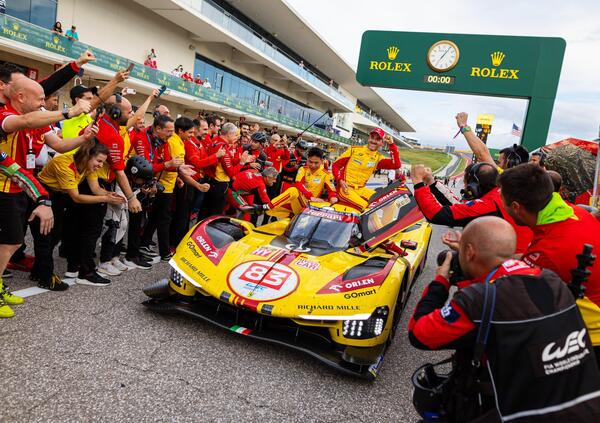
{"x":456,"y":273}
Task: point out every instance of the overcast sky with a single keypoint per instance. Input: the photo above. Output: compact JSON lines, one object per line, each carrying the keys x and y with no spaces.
{"x":577,"y":106}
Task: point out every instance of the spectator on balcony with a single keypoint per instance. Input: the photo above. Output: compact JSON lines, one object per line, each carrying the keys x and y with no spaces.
{"x":206,"y":83}
{"x":301,"y":64}
{"x":57,"y":28}
{"x":198,"y":79}
{"x":71,"y":34}
{"x":151,"y":60}
{"x":331,"y":82}
{"x":178,"y":71}
{"x":262,"y":104}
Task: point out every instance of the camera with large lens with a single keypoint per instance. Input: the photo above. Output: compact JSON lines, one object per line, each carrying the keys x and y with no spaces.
{"x":456,"y":273}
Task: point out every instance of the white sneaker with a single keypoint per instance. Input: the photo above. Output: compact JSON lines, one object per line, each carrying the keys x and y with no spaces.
{"x":119,"y":264}
{"x":108,"y":269}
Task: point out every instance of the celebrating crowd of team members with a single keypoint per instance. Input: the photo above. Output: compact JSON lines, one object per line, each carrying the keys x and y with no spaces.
{"x":96,"y":172}
{"x":103,"y":174}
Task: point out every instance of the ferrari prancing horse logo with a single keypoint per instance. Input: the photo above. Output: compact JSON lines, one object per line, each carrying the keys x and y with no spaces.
{"x":262,"y":280}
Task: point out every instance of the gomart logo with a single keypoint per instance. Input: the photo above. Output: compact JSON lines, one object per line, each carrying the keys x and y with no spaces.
{"x":262,"y":280}
{"x":391,"y":66}
{"x":494,"y":72}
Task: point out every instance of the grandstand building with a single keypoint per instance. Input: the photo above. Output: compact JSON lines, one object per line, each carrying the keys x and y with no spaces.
{"x":262,"y":60}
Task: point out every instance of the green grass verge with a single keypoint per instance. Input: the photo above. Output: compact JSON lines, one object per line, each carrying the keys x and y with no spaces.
{"x":433,"y":159}
{"x":461,"y":167}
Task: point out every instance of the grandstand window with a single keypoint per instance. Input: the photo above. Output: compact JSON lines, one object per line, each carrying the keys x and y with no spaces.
{"x":38,"y":12}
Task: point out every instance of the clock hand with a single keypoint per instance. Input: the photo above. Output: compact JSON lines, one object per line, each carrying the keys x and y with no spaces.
{"x":440,"y":59}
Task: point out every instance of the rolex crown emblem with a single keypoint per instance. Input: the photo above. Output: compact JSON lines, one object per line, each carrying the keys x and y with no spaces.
{"x":497,"y":58}
{"x":55,"y":40}
{"x":392,"y":52}
{"x":16,"y":26}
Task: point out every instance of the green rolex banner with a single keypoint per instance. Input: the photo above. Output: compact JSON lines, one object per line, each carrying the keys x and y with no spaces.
{"x":504,"y":66}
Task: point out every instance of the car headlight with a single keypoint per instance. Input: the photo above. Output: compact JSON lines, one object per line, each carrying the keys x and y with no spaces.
{"x":365,"y":329}
{"x":176,"y":277}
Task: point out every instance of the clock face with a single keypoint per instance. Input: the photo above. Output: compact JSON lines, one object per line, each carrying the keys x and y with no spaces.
{"x":443,"y":56}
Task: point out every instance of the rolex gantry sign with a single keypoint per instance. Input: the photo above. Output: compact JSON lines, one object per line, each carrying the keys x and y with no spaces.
{"x":503,"y":66}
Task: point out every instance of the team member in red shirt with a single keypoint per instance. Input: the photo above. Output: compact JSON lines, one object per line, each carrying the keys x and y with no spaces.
{"x":559,"y":233}
{"x":214,"y":126}
{"x":26,"y":131}
{"x":277,"y":153}
{"x":250,"y":184}
{"x":484,"y":200}
{"x":221,"y":175}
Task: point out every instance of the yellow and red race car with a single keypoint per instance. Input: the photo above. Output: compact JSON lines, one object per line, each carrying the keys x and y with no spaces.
{"x":330,"y":282}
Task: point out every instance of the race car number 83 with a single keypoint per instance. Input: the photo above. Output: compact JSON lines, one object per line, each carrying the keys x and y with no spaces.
{"x":262,"y":280}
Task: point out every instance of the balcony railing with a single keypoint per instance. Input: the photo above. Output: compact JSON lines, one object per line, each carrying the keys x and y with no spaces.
{"x":24,"y":32}
{"x":379,"y":122}
{"x":223,"y":19}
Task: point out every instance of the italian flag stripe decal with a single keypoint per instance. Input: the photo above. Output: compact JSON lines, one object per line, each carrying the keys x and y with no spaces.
{"x":240,"y":329}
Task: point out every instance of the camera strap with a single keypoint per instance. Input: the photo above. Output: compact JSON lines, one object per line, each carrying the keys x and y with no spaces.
{"x":489,"y":304}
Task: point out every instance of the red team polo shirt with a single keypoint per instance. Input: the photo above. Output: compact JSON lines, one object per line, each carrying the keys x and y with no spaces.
{"x":16,"y":145}
{"x":109,"y":135}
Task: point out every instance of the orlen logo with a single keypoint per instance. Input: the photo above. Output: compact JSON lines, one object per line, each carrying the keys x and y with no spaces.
{"x":574,"y":342}
{"x":206,"y":246}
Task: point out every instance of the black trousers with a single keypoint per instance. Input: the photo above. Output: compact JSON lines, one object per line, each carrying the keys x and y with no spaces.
{"x":43,"y":267}
{"x":214,"y":199}
{"x":159,"y":220}
{"x":180,"y":223}
{"x":82,"y":228}
{"x":134,"y":233}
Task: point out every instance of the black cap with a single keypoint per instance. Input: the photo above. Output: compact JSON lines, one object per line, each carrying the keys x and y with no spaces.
{"x":77,"y":90}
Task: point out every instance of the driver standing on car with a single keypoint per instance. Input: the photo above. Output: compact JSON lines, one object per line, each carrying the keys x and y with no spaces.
{"x":355,"y":166}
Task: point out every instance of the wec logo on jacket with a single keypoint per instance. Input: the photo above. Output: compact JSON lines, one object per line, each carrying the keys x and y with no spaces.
{"x":565,"y":353}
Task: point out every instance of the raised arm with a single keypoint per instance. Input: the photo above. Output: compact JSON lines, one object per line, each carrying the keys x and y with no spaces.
{"x":482,"y":153}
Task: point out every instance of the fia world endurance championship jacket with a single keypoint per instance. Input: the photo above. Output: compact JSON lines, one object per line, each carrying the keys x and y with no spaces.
{"x":538,"y":354}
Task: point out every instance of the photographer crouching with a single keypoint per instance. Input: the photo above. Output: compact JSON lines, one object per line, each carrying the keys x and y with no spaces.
{"x":522,"y":350}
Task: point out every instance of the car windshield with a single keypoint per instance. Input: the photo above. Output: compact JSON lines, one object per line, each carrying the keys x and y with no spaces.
{"x":320,"y":232}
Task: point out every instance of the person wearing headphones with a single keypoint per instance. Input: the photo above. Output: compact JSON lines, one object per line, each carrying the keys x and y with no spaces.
{"x":507,"y":158}
{"x":482,"y":195}
{"x":538,"y":158}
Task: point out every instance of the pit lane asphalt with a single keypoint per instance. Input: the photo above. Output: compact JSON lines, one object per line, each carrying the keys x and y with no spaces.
{"x":91,"y":354}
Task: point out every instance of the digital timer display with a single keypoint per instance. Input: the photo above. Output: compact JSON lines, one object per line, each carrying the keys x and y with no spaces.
{"x":439,"y":79}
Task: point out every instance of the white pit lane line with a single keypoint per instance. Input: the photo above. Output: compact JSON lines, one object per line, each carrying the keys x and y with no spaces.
{"x":34,"y":290}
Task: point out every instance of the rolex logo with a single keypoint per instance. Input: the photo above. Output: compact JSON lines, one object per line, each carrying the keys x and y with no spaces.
{"x":16,"y":26}
{"x":55,"y":40}
{"x":497,"y":58}
{"x":392,"y":52}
